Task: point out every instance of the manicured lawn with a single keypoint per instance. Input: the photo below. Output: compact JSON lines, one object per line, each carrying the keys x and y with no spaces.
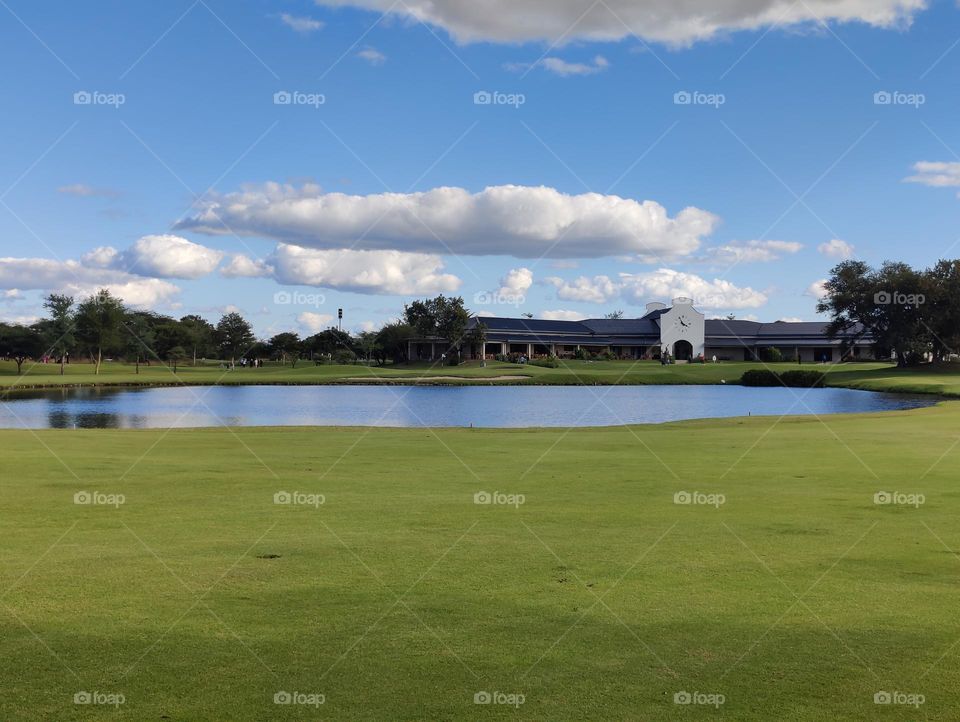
{"x":570,"y":372}
{"x":399,"y":598}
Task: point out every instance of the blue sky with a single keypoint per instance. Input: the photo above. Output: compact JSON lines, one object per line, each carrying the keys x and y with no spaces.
{"x":784,"y":157}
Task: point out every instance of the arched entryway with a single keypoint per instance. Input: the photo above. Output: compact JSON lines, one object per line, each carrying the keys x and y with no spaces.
{"x":683,"y":351}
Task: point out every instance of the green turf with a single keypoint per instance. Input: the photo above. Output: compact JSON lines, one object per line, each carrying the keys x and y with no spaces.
{"x":874,"y":376}
{"x":399,"y":598}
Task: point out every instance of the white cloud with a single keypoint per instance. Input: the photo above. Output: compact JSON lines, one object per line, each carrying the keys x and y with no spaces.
{"x":936,"y":174}
{"x":77,"y":278}
{"x":791,"y":319}
{"x":380,"y":272}
{"x":314,"y":322}
{"x":12,"y":294}
{"x":599,"y":289}
{"x":169,"y":257}
{"x":665,"y":284}
{"x":300,"y":23}
{"x":669,"y":21}
{"x":368,"y":326}
{"x":519,"y":221}
{"x":516,"y":283}
{"x":752,"y":251}
{"x":564,"y":69}
{"x":836,"y":249}
{"x":561,"y":315}
{"x":372,"y":56}
{"x":817,"y":289}
{"x":241,"y":266}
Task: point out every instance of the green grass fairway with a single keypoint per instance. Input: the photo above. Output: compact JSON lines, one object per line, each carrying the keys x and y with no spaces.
{"x":943,"y":380}
{"x":598,"y":598}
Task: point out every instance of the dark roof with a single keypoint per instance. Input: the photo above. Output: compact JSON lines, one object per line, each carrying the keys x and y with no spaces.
{"x":646,"y":330}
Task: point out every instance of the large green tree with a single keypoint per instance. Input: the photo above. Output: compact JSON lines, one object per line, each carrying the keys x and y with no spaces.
{"x":21,"y":343}
{"x":100,"y":323}
{"x":441,"y":317}
{"x":284,"y":346}
{"x":886,"y":304}
{"x":203,"y":336}
{"x":392,"y":342}
{"x":59,"y":331}
{"x":234,"y":336}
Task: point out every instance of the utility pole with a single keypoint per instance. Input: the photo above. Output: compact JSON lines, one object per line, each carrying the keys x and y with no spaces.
{"x":339,"y":319}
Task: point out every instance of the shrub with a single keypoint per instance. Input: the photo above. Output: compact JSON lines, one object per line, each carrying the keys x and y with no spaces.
{"x":803,"y":379}
{"x":581,"y":355}
{"x":771,"y":355}
{"x":344,"y":356}
{"x":760,"y":377}
{"x":548,"y":363}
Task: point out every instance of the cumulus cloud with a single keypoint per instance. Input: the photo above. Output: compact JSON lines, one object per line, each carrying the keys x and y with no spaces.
{"x":836,"y":249}
{"x":170,"y":257}
{"x":378,"y":272}
{"x":158,"y":257}
{"x":817,"y":289}
{"x":752,"y":251}
{"x":516,"y":283}
{"x":372,"y":56}
{"x":519,"y":221}
{"x":598,"y":289}
{"x":665,"y":284}
{"x":314,"y":322}
{"x":76,"y":279}
{"x":668,"y":21}
{"x":241,"y":266}
{"x":561,"y":315}
{"x":300,"y":23}
{"x":936,"y":174}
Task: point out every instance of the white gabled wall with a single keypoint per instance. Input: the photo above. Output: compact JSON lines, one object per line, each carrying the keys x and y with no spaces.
{"x":672,"y":328}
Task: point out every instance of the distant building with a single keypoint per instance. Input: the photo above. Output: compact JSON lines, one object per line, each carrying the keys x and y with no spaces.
{"x":679,"y":330}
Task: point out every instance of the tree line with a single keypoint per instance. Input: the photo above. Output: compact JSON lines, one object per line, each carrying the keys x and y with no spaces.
{"x":101,"y":326}
{"x":913,"y":315}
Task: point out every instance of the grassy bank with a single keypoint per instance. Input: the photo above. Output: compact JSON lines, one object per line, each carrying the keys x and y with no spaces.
{"x":400,"y":598}
{"x":873,"y":376}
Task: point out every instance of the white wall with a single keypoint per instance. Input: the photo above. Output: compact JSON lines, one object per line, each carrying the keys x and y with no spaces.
{"x":682,"y":322}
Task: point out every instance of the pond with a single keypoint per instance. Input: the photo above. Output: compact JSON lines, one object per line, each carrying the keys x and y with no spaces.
{"x":412,"y":406}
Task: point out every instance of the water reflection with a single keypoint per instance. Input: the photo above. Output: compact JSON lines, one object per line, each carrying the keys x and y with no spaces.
{"x":124,"y":408}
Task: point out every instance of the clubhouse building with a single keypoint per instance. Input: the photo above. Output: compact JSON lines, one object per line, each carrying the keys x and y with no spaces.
{"x":678,"y":330}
